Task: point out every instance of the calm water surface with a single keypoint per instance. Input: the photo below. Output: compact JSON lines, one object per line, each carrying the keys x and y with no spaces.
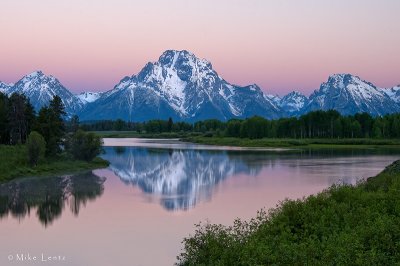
{"x":138,"y":210}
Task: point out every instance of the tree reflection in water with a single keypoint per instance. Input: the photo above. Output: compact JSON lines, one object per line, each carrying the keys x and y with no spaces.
{"x":49,"y":195}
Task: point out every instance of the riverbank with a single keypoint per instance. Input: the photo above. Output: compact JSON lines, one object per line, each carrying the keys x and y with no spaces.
{"x":343,"y":225}
{"x":199,"y":138}
{"x":308,"y":143}
{"x":14,"y":164}
{"x":134,"y":134}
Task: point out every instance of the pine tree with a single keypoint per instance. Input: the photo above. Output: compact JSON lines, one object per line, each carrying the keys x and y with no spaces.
{"x":4,"y":122}
{"x":17,"y":118}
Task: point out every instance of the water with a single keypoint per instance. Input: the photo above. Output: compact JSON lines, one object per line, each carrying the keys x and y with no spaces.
{"x":138,"y":210}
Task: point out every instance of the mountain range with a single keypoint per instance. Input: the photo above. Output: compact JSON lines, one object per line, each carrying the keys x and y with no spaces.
{"x":186,"y":88}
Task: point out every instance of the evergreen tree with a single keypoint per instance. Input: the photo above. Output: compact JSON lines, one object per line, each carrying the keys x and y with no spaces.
{"x":73,"y":124}
{"x":50,"y":124}
{"x":30,"y":116}
{"x":170,"y":124}
{"x":36,"y":147}
{"x":18,"y":125}
{"x":396,"y":127}
{"x":4,"y":122}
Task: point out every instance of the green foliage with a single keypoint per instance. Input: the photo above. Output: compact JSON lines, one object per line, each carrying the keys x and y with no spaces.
{"x":4,"y":126}
{"x":344,"y":225}
{"x":73,"y":124}
{"x":119,"y":124}
{"x":85,"y":146}
{"x":313,"y":125}
{"x":17,"y":164}
{"x":36,"y":147}
{"x":149,"y":127}
{"x":298,"y":143}
{"x":20,"y":118}
{"x":50,"y":124}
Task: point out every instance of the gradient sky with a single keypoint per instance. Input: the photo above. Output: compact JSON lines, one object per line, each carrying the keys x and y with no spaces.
{"x":279,"y":45}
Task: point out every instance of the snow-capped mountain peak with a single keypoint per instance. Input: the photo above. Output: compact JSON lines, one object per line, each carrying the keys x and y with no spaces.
{"x":394,"y":93}
{"x":5,"y":87}
{"x":184,"y":87}
{"x":88,"y":97}
{"x":293,"y":103}
{"x":349,"y":94}
{"x":181,"y":86}
{"x":41,"y":89}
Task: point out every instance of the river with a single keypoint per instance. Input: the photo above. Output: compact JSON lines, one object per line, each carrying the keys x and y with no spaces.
{"x":138,"y":210}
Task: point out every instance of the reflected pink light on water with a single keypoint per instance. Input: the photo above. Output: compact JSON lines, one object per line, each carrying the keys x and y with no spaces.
{"x":126,"y":226}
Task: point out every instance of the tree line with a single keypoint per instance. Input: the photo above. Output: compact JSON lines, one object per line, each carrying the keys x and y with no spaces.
{"x":316,"y":124}
{"x":151,"y":126}
{"x":45,"y":133}
{"x":18,"y":119}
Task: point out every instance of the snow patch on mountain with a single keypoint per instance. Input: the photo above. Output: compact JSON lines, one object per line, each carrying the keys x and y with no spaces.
{"x":394,"y":93}
{"x":181,"y":86}
{"x":349,"y":94}
{"x":40,"y":89}
{"x":88,"y":97}
{"x":293,"y":103}
{"x":5,"y":87}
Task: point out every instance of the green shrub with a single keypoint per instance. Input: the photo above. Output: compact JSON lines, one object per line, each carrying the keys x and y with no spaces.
{"x":344,"y":225}
{"x":85,"y":146}
{"x":36,"y":147}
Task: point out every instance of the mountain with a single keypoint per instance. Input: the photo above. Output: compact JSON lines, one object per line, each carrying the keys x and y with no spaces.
{"x":88,"y":97}
{"x":40,"y":89}
{"x":394,"y":93}
{"x":275,"y":99}
{"x":293,"y":103}
{"x":4,"y":87}
{"x":349,"y":94}
{"x":181,"y":86}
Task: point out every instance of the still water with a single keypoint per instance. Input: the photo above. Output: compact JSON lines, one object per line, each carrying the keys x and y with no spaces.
{"x":137,"y":211}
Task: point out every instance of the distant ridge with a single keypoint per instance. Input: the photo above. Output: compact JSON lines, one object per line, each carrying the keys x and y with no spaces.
{"x":186,"y":88}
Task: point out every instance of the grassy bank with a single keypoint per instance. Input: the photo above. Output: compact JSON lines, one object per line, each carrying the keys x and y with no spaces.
{"x":14,"y":163}
{"x":200,"y":138}
{"x":134,"y":134}
{"x":344,"y":225}
{"x":317,"y":143}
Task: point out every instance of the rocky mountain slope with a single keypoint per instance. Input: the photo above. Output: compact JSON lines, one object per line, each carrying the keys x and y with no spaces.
{"x":186,"y":88}
{"x":181,"y":86}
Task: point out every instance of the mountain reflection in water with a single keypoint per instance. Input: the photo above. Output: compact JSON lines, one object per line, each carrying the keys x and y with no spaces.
{"x":178,"y":178}
{"x":49,"y":195}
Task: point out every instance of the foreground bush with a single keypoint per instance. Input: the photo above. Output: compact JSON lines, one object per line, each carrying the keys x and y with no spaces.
{"x":36,"y":147}
{"x":85,"y":146}
{"x":344,"y":225}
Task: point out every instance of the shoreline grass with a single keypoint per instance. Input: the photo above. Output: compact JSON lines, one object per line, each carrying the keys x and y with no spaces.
{"x":134,"y":134}
{"x":200,"y":138}
{"x":14,"y":164}
{"x":297,"y":143}
{"x":343,"y":225}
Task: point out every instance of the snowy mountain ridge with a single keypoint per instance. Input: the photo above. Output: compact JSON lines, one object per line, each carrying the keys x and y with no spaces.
{"x":349,"y":94}
{"x":4,"y":87}
{"x":181,"y":86}
{"x":40,"y":89}
{"x":88,"y":97}
{"x":186,"y":88}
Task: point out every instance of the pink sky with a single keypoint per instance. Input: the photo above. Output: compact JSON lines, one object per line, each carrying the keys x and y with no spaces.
{"x":279,"y":45}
